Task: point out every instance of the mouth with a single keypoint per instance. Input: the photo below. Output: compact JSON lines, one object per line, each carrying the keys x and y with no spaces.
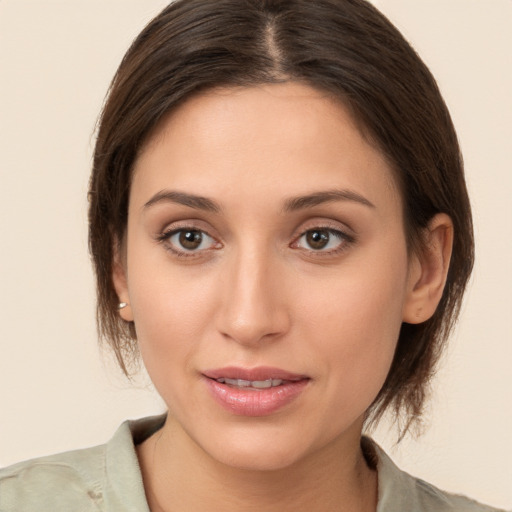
{"x":254,"y":392}
{"x":251,"y":384}
{"x":262,"y":377}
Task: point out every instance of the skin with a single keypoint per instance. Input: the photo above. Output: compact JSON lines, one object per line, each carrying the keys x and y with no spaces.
{"x":255,"y":292}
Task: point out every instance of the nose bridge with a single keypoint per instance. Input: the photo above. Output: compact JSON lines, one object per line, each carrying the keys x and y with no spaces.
{"x":253,"y":308}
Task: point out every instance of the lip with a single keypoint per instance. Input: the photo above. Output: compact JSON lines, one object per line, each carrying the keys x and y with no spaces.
{"x":258,"y":373}
{"x":250,"y":401}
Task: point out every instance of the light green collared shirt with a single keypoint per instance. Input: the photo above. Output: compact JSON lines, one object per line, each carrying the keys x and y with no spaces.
{"x":107,"y":478}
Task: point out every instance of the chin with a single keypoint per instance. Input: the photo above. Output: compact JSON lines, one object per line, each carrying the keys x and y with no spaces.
{"x":259,"y":448}
{"x":260,"y":459}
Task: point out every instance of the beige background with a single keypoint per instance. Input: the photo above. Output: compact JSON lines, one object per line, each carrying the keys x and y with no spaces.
{"x":56,"y":60}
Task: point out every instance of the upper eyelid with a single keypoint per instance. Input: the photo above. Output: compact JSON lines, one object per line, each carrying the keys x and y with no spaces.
{"x":330,"y":225}
{"x":176,"y":231}
{"x":190,"y":224}
{"x":343,"y":235}
{"x":167,"y":233}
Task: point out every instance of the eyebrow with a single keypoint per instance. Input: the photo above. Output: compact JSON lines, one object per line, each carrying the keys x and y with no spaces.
{"x":328,"y":196}
{"x":190,"y":200}
{"x":291,"y":205}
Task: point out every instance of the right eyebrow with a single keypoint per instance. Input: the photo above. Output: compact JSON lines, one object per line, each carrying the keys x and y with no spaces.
{"x":190,"y":200}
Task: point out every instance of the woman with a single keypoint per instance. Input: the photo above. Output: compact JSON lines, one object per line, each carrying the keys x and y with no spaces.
{"x":279,"y":224}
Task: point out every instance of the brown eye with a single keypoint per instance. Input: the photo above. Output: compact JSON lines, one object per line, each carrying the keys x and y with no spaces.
{"x":190,"y":240}
{"x":323,"y":240}
{"x":317,"y":239}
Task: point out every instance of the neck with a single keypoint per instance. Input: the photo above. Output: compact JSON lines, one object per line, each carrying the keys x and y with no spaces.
{"x":179,"y":475}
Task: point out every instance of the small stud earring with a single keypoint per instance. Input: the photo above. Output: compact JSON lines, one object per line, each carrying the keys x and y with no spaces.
{"x":122,"y":305}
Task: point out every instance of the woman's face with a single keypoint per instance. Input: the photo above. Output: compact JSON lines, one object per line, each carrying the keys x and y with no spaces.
{"x":265,"y":246}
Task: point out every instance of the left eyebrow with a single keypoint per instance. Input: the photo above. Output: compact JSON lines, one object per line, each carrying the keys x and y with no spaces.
{"x":328,"y":196}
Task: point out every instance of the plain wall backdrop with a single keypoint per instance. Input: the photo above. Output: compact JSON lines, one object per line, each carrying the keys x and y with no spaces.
{"x":58,"y":393}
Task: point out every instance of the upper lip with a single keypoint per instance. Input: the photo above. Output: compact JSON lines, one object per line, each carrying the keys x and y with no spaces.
{"x":252,"y":374}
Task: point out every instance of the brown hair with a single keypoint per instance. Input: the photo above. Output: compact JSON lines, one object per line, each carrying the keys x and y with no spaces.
{"x":345,"y":47}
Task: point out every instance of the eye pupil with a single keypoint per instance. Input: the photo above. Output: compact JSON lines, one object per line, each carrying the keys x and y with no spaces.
{"x":317,"y":239}
{"x":190,"y":239}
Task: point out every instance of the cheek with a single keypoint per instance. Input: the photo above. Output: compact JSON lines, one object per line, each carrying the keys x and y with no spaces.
{"x":355,"y":322}
{"x":170,"y":310}
{"x":168,"y":318}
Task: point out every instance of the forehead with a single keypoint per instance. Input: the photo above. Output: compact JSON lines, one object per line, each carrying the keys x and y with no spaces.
{"x":284,"y":137}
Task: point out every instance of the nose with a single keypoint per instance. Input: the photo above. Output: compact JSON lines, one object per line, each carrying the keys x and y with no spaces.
{"x":254,"y":307}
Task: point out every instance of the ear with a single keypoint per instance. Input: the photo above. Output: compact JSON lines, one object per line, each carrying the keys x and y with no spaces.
{"x":428,"y":270}
{"x":120,"y":280}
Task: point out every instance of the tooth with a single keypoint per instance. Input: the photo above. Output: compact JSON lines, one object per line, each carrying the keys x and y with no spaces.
{"x":261,"y":384}
{"x":258,"y":384}
{"x":240,"y":383}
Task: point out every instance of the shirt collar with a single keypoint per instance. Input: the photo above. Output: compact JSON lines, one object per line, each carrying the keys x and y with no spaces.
{"x":124,"y":488}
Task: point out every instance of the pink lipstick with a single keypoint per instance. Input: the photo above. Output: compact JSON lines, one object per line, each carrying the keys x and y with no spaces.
{"x":254,"y":392}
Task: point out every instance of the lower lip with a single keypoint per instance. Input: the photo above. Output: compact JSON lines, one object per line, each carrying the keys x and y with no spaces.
{"x":255,"y":402}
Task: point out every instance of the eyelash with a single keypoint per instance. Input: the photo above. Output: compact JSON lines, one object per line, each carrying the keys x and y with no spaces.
{"x":165,"y":239}
{"x":345,"y":241}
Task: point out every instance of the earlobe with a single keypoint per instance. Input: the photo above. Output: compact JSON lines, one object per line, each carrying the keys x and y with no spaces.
{"x":428,"y":270}
{"x":119,"y":278}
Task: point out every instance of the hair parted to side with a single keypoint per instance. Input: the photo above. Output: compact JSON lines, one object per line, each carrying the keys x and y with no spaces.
{"x":344,"y":47}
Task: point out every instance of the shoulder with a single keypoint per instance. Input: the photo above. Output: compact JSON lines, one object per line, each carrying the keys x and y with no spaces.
{"x":400,"y":491}
{"x":432,"y":498}
{"x":105,"y":477}
{"x":67,"y":481}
